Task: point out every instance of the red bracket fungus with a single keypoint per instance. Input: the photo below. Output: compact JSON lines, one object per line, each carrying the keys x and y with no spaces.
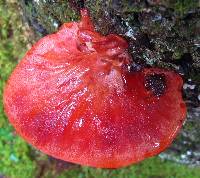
{"x":73,"y":97}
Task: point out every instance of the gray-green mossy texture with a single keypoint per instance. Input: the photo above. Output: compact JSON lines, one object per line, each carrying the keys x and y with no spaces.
{"x":160,"y":33}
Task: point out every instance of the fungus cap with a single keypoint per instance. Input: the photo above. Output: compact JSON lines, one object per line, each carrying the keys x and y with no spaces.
{"x":73,"y":97}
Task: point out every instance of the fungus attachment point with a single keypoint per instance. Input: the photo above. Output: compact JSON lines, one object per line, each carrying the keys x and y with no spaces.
{"x":73,"y":98}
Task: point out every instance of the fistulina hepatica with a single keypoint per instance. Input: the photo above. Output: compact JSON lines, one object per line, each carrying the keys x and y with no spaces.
{"x":73,"y":97}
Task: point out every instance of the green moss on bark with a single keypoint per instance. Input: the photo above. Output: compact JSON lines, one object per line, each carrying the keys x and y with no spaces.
{"x":47,"y":17}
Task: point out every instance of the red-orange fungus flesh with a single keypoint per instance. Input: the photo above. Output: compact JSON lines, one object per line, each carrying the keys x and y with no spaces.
{"x":73,"y":97}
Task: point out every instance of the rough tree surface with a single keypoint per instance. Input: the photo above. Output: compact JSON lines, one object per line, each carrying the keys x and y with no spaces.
{"x":160,"y":33}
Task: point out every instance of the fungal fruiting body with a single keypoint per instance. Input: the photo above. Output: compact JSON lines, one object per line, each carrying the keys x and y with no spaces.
{"x":73,"y":97}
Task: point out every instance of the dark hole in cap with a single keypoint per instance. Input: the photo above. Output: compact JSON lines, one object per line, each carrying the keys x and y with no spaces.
{"x":156,"y":83}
